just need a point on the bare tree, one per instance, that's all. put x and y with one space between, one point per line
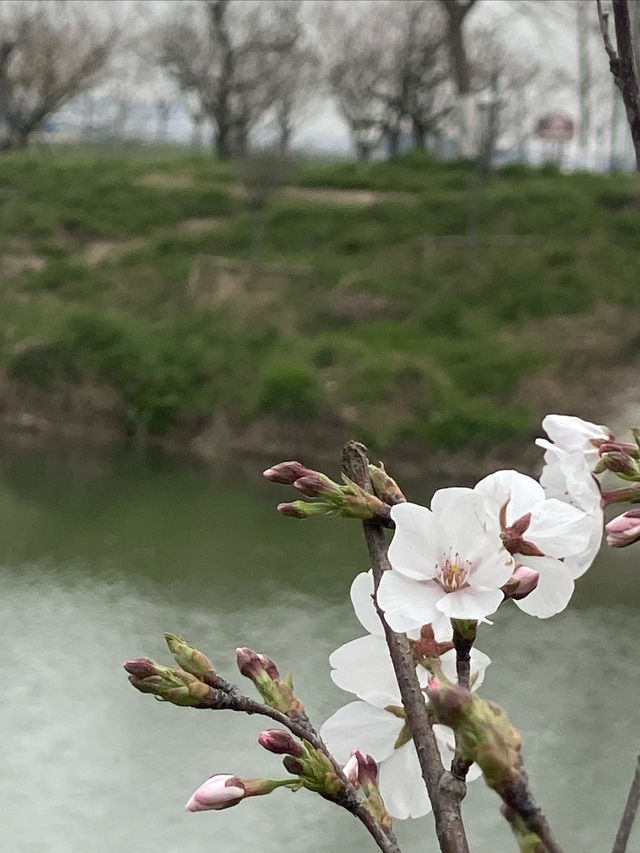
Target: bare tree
356 77
296 81
226 54
388 74
49 54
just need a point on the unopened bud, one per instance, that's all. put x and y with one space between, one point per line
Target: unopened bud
281 742
523 581
293 765
219 792
367 769
170 683
350 770
286 472
317 485
142 668
621 463
255 666
363 774
303 509
624 530
484 733
384 486
264 673
223 791
619 446
190 659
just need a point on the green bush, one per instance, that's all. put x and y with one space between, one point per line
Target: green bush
289 388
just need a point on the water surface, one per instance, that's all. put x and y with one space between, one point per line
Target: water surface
99 555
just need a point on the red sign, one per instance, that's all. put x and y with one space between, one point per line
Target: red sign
555 127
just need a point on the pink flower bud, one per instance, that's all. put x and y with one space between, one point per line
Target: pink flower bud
141 667
350 770
281 742
293 765
624 530
286 472
620 463
523 581
367 768
218 792
256 666
317 485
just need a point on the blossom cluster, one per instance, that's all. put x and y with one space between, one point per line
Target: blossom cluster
452 565
509 537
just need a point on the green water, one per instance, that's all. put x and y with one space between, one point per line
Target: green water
101 554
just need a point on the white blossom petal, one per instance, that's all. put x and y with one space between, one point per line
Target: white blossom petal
408 603
413 549
362 600
359 725
401 784
478 665
446 503
571 433
494 566
579 563
470 603
559 529
364 667
521 492
554 590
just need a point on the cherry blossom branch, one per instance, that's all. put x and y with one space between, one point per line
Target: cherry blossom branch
444 789
622 65
464 635
200 686
629 814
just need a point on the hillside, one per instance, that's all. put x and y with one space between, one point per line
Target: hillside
405 303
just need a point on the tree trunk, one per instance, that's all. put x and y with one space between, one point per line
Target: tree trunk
393 141
363 150
419 134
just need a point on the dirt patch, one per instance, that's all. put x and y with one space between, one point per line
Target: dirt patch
328 195
165 181
12 265
200 226
109 250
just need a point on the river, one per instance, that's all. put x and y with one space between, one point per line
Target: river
100 553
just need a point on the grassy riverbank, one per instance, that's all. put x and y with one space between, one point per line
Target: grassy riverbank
404 303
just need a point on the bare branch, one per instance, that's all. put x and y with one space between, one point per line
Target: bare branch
622 65
445 791
629 814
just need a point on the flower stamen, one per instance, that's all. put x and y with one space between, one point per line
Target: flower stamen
453 573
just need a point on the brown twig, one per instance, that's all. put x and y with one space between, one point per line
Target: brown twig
629 814
517 796
234 700
622 65
445 790
225 696
462 643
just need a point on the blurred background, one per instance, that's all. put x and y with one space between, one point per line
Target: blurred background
235 232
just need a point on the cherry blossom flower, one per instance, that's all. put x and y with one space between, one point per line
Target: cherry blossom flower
540 532
571 434
567 476
375 725
444 560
